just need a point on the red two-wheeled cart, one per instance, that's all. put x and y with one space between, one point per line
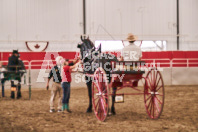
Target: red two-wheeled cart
124 75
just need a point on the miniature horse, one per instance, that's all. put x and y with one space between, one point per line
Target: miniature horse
90 58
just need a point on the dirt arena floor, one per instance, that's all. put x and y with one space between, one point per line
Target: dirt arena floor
180 113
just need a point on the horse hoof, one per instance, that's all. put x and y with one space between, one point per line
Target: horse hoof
89 111
113 111
18 97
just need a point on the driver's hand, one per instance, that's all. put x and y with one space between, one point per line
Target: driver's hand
47 87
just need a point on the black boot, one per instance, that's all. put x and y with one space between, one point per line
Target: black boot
3 94
12 95
12 92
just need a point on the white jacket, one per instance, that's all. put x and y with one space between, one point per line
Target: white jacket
131 52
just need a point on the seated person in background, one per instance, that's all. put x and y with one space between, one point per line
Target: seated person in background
131 52
13 63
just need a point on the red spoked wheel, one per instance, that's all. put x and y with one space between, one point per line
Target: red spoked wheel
100 94
154 94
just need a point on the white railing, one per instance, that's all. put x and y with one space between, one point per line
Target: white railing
24 61
171 63
166 61
155 61
43 65
187 63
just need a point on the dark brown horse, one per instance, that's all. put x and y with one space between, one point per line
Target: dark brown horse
92 57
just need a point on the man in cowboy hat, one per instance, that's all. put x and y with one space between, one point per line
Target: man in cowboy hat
131 52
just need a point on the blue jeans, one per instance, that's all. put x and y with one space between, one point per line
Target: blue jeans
66 92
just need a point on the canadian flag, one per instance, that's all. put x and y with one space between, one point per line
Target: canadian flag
37 46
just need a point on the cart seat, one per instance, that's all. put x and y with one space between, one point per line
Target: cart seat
132 63
127 67
128 72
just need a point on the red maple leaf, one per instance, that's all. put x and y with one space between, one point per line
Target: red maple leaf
37 46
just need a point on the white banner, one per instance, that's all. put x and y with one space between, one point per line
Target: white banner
37 46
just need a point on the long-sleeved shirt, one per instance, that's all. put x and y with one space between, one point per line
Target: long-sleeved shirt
13 61
131 52
55 73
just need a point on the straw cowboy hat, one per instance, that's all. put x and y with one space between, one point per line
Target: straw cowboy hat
131 37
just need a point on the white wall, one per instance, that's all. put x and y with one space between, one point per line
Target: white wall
61 22
47 20
188 24
148 19
142 17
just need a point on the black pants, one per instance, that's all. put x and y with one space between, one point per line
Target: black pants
66 92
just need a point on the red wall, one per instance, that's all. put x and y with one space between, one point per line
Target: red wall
70 55
146 55
37 55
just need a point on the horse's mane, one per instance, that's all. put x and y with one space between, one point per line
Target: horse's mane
89 43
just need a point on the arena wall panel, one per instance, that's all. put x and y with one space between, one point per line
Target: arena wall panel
23 20
166 74
185 76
